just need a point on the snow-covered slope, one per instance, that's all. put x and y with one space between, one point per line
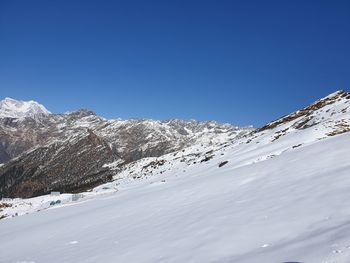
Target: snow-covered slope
278 194
10 108
291 208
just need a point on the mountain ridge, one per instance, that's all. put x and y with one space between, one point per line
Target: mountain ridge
28 144
27 141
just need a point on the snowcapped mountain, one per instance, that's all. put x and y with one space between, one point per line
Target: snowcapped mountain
67 152
317 122
10 108
274 194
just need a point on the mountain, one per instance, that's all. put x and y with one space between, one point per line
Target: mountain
321 120
274 194
47 153
10 108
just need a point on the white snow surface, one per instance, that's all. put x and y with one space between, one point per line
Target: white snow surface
11 108
282 196
291 207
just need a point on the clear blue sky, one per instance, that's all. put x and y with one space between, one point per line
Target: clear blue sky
243 62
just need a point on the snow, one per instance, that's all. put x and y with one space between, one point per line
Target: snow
289 208
282 196
11 108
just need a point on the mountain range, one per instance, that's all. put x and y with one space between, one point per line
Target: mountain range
71 152
44 152
176 191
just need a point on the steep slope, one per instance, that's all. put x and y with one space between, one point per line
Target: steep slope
276 195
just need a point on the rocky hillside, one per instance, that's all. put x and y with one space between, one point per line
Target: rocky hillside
42 152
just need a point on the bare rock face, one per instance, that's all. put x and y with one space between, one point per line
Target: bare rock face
68 152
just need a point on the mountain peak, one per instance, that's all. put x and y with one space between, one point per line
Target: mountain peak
11 108
80 113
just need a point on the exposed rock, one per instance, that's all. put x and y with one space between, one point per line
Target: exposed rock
222 163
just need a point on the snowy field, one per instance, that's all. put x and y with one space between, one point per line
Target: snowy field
272 203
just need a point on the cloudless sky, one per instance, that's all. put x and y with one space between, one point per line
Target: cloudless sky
243 62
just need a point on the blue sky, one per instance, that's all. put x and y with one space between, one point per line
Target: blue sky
243 62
